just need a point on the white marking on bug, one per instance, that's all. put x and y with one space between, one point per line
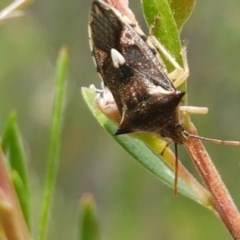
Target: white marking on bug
117 58
158 89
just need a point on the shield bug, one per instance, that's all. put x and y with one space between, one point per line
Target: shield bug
132 70
146 99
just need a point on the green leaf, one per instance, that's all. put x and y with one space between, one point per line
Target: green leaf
23 197
160 19
166 18
89 226
13 146
55 140
182 10
146 156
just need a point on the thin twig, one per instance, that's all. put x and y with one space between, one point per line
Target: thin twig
13 10
222 200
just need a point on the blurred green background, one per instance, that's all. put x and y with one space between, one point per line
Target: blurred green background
132 204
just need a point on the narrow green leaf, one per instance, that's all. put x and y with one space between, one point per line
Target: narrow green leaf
89 226
161 22
12 146
181 10
55 141
144 155
23 196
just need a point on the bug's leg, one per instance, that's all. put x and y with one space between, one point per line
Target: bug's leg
193 109
180 74
106 103
103 97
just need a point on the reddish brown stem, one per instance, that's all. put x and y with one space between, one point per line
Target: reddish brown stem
222 200
12 221
122 6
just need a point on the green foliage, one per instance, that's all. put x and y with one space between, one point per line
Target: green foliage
181 10
160 19
13 147
89 226
55 141
165 19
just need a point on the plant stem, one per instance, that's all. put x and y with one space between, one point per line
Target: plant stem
222 200
12 221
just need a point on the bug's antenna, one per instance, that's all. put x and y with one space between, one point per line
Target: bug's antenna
213 140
